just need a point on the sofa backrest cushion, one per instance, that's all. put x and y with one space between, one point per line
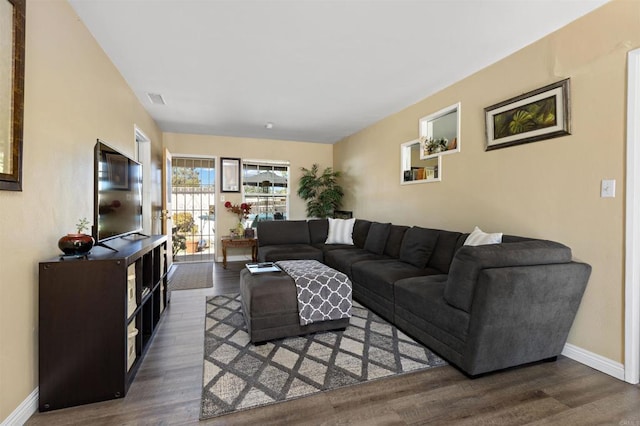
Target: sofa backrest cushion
448 243
377 237
394 241
470 260
360 231
283 232
318 230
417 246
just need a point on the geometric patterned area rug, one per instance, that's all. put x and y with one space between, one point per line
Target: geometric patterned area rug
239 375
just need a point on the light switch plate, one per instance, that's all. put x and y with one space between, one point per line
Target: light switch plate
608 188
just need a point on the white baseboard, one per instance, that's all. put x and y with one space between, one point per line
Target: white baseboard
25 410
594 361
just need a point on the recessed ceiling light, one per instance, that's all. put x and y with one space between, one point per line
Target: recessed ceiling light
156 98
269 125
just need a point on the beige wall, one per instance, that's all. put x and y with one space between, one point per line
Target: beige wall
299 154
548 189
73 95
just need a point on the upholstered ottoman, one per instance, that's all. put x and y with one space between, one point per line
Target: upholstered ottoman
270 307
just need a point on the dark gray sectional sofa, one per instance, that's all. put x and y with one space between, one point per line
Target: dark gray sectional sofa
483 308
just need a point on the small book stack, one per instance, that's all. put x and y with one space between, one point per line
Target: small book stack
260 268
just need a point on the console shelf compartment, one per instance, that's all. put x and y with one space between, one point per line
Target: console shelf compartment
88 320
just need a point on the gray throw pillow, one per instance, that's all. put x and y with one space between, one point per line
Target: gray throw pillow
377 237
417 246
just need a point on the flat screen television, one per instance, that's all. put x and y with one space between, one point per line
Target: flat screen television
117 194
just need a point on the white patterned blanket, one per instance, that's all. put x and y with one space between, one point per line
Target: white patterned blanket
324 294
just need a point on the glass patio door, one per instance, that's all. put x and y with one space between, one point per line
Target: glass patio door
193 201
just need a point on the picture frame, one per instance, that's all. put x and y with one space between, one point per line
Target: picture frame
534 116
229 174
117 172
12 52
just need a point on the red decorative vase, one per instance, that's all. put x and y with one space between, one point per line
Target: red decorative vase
75 244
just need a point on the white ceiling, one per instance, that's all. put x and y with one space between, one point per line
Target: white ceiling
319 70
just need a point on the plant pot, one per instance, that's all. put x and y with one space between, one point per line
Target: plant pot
75 244
192 247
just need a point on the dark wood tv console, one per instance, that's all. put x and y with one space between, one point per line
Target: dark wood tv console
98 314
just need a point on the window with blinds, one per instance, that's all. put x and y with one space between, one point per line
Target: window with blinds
266 187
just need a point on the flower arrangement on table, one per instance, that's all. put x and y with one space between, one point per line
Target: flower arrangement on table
240 210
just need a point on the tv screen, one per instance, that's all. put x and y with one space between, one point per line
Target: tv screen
118 194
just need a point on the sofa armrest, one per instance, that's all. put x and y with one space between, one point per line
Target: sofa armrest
522 314
469 261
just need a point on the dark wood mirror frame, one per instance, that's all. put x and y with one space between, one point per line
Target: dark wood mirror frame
11 176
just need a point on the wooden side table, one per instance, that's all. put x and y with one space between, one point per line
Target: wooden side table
239 243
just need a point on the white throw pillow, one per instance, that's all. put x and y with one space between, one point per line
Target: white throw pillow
479 238
340 231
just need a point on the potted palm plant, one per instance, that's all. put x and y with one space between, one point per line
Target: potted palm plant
321 191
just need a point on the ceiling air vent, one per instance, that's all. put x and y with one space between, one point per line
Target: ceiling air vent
156 98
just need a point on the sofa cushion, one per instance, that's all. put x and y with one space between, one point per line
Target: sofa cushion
343 259
379 276
328 247
423 298
394 241
377 237
283 232
479 238
417 246
274 253
318 230
469 261
340 231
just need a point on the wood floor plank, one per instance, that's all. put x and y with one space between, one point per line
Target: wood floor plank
168 387
621 408
584 390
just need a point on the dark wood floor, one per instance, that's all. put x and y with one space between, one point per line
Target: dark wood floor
167 389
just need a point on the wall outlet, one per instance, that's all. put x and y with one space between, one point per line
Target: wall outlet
608 188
